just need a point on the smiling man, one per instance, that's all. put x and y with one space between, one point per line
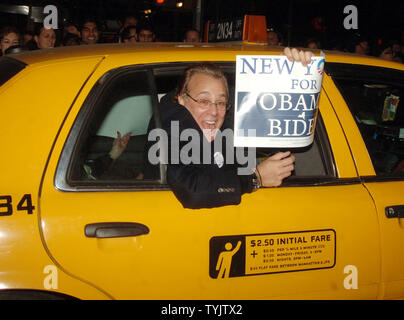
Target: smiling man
89 32
206 87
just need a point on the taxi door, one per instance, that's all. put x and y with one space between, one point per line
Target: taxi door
377 115
131 239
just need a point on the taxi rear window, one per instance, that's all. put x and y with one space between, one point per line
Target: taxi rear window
9 68
374 96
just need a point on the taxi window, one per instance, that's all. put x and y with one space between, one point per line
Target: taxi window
126 100
375 97
123 103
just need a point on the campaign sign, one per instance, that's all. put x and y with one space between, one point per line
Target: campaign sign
276 101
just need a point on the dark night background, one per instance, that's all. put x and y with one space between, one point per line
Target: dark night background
292 18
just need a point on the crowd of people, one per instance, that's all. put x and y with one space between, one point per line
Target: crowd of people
134 30
357 43
12 40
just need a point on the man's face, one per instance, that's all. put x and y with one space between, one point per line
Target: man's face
9 40
27 37
89 33
396 48
146 36
387 54
192 36
132 36
205 87
272 38
46 38
362 48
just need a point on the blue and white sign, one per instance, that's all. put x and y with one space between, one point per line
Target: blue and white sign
276 101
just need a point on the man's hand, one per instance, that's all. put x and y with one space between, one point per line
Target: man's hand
300 56
274 169
119 145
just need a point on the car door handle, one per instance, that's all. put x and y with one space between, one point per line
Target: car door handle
395 212
115 229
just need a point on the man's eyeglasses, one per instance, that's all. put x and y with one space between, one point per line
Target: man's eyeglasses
205 103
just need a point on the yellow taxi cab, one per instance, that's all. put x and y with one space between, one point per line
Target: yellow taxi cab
333 230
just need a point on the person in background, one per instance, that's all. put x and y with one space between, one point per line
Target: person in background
129 35
9 37
358 44
385 51
89 32
27 37
94 169
44 38
192 35
398 51
273 37
146 33
362 47
312 44
71 39
129 21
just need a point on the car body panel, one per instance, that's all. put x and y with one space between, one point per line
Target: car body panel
29 140
385 192
173 261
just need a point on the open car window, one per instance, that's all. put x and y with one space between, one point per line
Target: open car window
126 101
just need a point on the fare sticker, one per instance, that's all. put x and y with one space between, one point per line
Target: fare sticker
270 253
283 252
